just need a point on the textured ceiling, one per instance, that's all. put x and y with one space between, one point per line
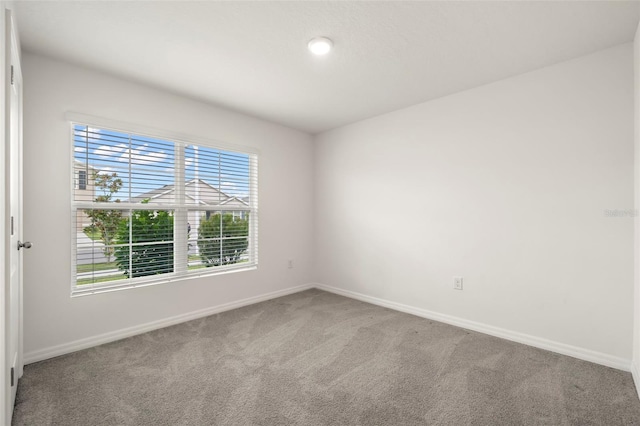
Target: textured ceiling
251 56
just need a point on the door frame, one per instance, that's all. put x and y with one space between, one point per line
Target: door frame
4 403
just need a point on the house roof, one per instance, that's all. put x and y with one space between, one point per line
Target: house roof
238 199
154 193
77 163
204 199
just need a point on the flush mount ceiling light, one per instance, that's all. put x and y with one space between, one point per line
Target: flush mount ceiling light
320 45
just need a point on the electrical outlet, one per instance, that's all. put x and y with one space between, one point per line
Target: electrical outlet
457 283
290 264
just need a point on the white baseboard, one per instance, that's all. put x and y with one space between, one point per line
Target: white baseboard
89 342
561 348
636 377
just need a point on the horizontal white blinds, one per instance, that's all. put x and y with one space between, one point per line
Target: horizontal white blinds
143 166
139 243
218 177
147 209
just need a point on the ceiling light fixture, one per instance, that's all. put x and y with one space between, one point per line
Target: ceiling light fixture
320 45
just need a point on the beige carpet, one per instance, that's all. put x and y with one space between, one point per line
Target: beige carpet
314 358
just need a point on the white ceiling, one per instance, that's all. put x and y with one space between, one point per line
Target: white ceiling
252 56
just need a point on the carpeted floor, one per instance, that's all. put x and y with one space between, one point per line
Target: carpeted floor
314 358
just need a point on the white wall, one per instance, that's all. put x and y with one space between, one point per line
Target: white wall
636 258
506 185
52 317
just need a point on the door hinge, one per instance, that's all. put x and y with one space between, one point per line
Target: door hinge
12 75
12 375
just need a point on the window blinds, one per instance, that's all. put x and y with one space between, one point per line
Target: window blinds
154 210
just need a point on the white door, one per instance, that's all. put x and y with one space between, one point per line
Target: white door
13 169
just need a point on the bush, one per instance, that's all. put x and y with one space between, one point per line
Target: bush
154 230
222 239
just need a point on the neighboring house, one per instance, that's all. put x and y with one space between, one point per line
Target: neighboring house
83 190
198 193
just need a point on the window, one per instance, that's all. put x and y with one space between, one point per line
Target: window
82 180
158 209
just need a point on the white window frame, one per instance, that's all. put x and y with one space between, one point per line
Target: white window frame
181 141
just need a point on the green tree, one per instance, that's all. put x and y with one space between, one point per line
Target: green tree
222 239
151 251
106 221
